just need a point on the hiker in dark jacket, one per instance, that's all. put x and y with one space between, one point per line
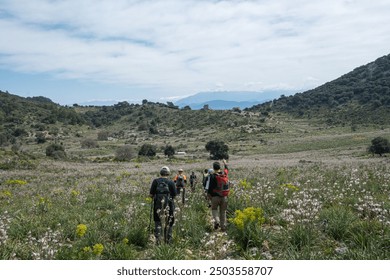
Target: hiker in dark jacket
218 197
163 192
193 181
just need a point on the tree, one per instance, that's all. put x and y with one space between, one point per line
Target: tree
218 149
379 145
169 151
147 150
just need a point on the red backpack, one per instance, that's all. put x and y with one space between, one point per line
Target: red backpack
222 188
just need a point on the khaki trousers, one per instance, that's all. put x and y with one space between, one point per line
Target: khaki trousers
218 210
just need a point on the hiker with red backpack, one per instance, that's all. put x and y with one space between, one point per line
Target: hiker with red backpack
217 188
163 192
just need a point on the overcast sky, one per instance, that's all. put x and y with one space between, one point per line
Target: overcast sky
79 50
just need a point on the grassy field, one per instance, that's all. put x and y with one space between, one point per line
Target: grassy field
303 193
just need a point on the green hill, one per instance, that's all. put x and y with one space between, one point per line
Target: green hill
21 116
361 96
358 99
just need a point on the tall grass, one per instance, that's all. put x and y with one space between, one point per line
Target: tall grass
309 210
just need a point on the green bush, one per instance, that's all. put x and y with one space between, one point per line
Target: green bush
125 153
379 145
89 144
147 150
56 151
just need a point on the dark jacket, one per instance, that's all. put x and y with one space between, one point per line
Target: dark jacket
171 185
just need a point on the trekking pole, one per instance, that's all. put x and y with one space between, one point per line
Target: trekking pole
183 197
150 215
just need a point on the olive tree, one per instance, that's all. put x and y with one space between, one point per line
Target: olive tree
218 149
379 145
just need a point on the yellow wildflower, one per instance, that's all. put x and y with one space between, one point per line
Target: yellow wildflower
5 194
81 230
87 249
248 215
148 199
74 193
15 182
125 241
98 249
125 174
245 184
290 187
44 203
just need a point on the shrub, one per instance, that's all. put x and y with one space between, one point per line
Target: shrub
379 145
153 130
89 144
40 138
3 139
56 151
125 153
148 150
103 135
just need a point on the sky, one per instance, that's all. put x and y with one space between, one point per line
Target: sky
77 51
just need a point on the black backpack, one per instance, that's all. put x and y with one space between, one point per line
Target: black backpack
180 182
162 187
162 194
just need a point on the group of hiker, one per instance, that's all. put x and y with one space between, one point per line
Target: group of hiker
164 192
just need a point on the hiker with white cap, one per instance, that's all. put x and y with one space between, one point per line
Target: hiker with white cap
163 192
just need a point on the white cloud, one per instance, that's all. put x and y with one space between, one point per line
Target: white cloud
184 46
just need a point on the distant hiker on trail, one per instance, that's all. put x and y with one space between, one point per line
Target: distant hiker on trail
163 192
193 181
180 182
217 187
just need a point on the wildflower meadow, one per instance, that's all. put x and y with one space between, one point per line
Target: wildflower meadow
278 210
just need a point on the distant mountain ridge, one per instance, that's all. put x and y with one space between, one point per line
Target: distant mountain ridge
224 104
225 100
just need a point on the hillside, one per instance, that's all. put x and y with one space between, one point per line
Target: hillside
360 96
24 119
359 99
19 110
21 117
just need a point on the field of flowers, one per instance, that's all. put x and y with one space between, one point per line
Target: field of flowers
292 209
